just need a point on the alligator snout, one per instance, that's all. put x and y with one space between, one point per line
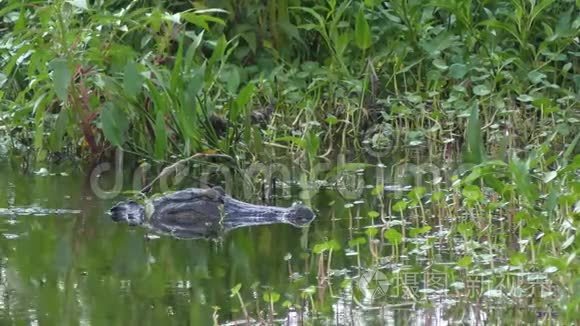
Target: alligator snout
299 215
129 212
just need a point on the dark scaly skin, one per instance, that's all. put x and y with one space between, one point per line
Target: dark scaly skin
193 213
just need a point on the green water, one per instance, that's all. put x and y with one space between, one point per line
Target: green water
64 262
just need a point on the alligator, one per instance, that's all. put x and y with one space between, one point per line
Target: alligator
204 213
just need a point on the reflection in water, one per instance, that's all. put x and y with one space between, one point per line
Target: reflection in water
63 261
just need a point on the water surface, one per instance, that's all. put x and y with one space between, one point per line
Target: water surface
63 261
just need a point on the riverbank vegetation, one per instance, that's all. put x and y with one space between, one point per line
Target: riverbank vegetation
494 84
176 79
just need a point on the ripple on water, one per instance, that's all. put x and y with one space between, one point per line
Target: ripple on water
35 211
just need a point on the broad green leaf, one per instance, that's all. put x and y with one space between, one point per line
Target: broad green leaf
320 248
465 261
132 79
371 232
517 259
417 193
535 76
472 192
481 90
271 296
457 70
362 31
521 176
474 151
418 231
393 236
400 206
439 43
114 124
245 95
373 214
357 242
61 77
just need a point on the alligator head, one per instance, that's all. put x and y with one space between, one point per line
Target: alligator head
129 212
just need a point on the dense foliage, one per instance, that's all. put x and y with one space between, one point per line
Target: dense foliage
171 78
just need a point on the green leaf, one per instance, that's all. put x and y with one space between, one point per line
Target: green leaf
160 136
517 259
535 76
521 177
418 231
393 236
132 79
400 206
333 245
362 31
61 77
465 261
457 70
271 296
481 90
371 232
245 95
218 51
417 193
320 248
236 289
114 124
357 242
474 151
473 193
439 43
373 214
